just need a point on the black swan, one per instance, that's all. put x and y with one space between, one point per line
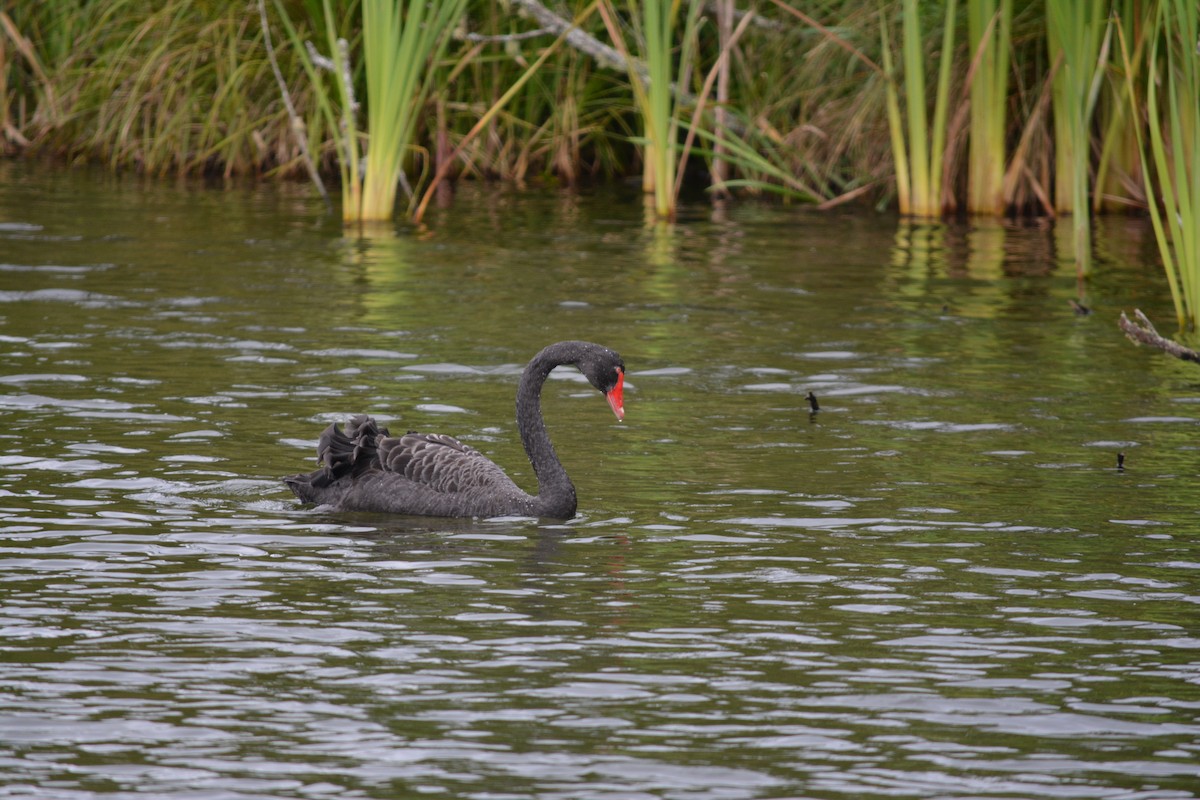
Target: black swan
431 474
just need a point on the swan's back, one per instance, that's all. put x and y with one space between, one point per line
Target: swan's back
367 469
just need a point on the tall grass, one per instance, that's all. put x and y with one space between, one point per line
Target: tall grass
40 86
1173 122
173 86
178 86
989 31
1119 182
165 88
402 41
656 93
1075 30
919 155
336 107
570 122
496 107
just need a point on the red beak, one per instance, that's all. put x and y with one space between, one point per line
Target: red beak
615 396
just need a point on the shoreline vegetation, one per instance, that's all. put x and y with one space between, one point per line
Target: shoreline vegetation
986 107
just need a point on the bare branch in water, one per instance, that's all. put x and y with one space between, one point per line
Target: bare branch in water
1143 332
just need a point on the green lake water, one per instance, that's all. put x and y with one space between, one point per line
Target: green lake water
938 586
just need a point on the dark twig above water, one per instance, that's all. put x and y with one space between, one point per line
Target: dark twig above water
1142 331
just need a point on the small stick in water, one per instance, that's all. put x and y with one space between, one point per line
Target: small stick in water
813 405
1141 331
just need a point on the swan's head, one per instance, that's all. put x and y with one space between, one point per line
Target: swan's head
606 371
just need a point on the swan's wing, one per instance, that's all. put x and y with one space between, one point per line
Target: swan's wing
441 463
351 453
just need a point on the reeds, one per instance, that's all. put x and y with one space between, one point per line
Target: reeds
820 103
1172 102
989 32
657 90
1075 29
164 88
919 155
1119 181
401 42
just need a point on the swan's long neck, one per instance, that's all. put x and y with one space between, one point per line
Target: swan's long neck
556 494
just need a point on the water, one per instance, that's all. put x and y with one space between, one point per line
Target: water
939 586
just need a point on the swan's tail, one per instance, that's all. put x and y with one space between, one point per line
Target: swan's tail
340 455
